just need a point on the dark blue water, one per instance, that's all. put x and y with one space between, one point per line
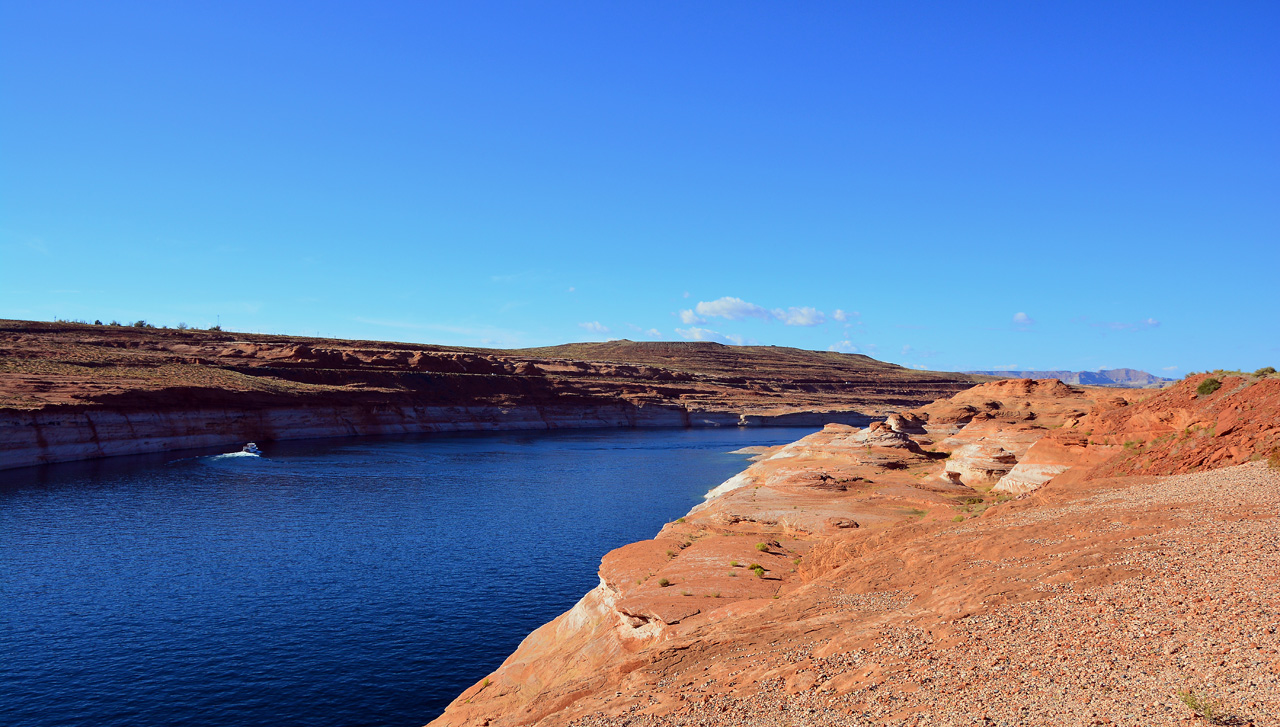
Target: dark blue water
333 582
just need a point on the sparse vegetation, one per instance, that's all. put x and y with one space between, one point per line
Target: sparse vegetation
733 564
762 547
759 570
1208 386
1265 371
958 519
715 594
1273 461
680 519
1202 704
663 582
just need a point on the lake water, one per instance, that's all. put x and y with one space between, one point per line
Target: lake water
331 582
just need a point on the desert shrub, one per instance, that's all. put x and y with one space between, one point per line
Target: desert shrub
664 582
1208 386
1265 371
679 519
182 326
97 322
215 328
759 570
763 548
1273 461
142 324
958 519
1202 704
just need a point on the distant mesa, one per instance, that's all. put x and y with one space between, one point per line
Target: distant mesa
1121 378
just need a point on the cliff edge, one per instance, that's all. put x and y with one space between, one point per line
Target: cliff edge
1026 552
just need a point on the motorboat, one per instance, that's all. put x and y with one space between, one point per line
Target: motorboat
251 448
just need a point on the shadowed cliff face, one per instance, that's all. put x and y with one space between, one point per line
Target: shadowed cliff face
72 391
889 573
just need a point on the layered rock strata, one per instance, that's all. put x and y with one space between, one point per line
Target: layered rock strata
75 391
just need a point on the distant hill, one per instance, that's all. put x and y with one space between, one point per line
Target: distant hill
1122 378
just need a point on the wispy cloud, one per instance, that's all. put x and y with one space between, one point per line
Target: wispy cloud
594 327
737 309
842 315
1141 325
803 316
706 334
1169 368
653 333
1005 367
734 309
843 347
1022 319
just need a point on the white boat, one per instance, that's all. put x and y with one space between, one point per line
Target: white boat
251 448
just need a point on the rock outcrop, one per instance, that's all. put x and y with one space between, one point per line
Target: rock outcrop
846 578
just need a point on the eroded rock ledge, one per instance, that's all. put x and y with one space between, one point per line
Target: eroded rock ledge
911 573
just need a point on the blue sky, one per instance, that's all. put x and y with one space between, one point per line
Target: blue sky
950 185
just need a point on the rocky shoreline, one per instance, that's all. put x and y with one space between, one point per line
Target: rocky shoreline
909 573
66 434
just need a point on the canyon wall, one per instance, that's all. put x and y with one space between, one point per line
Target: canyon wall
64 434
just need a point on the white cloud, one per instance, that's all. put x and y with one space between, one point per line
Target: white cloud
839 315
1170 368
706 334
689 318
594 327
734 309
686 294
1022 319
804 316
572 289
653 333
702 334
905 350
843 347
1006 367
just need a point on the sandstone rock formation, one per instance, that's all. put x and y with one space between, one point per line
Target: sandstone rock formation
72 391
844 579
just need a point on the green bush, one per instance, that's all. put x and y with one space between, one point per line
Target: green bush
1265 371
1202 704
664 582
1208 386
762 547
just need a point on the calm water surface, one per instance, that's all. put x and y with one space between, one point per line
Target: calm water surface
332 582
